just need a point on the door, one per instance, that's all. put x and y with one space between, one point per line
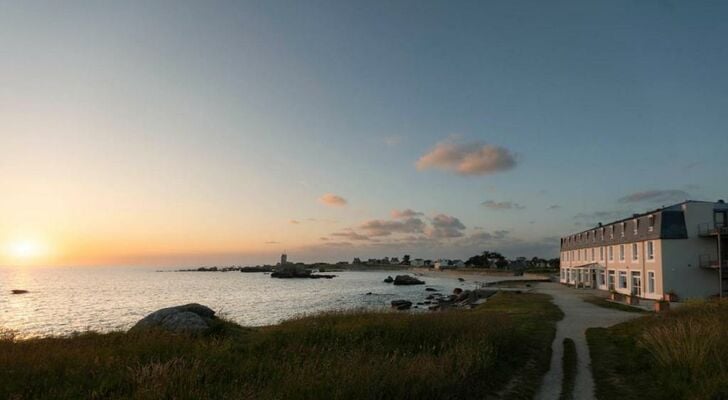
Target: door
636 284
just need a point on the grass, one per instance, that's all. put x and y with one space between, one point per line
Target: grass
501 347
681 354
602 302
568 362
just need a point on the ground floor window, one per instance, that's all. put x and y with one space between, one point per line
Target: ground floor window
601 278
611 280
650 282
562 275
622 280
636 283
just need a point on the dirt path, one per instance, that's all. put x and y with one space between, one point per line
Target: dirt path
578 316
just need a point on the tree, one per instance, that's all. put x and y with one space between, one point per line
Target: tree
406 259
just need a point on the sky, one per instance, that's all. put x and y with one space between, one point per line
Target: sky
216 133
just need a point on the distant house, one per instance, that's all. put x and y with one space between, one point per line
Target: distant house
394 260
457 263
417 262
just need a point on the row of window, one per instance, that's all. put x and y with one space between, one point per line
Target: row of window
592 235
587 254
574 275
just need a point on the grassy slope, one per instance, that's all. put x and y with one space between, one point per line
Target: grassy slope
602 302
459 354
682 354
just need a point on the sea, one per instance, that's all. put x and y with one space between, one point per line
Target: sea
64 301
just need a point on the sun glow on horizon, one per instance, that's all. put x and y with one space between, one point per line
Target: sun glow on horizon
26 250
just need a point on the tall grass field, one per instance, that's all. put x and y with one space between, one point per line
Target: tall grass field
502 347
682 354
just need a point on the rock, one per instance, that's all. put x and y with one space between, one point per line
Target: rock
369 293
388 279
401 304
461 279
187 319
407 280
18 291
457 291
429 289
430 297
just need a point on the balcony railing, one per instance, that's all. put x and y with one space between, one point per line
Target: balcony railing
710 229
710 261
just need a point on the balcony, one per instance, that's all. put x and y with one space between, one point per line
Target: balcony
710 261
708 229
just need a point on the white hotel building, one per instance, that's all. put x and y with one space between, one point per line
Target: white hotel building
677 249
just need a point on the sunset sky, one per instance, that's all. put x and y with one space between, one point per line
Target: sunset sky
209 133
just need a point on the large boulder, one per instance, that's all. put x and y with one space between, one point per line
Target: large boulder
407 280
187 319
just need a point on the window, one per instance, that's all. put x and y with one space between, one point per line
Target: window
601 278
624 228
611 253
636 226
611 232
611 280
572 255
650 223
578 255
601 254
622 280
594 236
634 251
602 234
650 250
592 251
719 219
650 282
621 252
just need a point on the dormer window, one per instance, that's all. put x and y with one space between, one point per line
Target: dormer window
624 228
636 226
650 223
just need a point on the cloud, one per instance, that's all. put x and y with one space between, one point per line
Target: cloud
445 226
294 222
554 207
272 242
656 196
487 236
350 235
392 141
379 227
503 205
397 214
467 159
334 200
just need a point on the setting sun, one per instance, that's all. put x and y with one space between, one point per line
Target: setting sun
25 249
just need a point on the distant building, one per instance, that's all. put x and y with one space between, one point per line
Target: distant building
417 262
284 259
676 250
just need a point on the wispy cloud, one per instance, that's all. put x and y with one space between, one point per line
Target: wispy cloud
294 222
393 141
378 227
408 213
445 226
467 159
272 242
334 200
350 235
656 196
502 205
554 207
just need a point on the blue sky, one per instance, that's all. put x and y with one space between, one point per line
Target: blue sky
228 120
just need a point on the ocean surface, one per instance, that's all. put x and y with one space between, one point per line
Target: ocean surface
66 300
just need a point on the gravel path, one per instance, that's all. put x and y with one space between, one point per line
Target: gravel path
578 316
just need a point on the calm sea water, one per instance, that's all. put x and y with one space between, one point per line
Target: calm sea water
65 300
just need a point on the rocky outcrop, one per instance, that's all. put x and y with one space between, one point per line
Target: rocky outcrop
18 291
388 279
401 304
407 280
429 289
187 319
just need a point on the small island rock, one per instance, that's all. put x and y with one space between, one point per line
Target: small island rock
407 280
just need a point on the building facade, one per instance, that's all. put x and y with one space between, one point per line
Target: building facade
680 250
